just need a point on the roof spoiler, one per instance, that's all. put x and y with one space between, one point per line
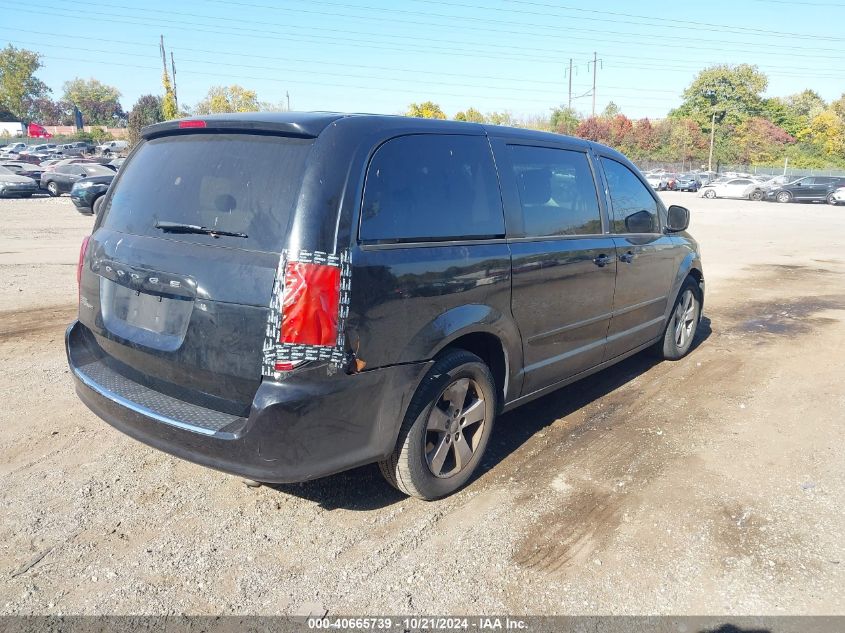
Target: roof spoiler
215 124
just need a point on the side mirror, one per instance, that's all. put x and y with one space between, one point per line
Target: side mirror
84 175
640 222
678 219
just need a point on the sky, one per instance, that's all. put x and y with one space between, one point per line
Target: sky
379 56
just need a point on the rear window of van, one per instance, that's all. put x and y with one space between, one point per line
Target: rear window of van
238 183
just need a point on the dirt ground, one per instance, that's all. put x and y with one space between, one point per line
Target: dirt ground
712 485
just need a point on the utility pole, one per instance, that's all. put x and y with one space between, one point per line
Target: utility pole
712 138
173 68
163 53
569 103
595 63
287 97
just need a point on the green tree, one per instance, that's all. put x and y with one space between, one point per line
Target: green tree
733 93
470 114
98 102
807 104
500 118
19 87
564 120
782 115
426 110
146 111
611 110
234 98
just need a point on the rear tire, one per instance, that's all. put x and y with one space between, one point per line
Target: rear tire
53 189
682 323
710 194
756 195
98 204
446 428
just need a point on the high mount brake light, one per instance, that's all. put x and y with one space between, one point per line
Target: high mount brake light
310 304
82 250
191 123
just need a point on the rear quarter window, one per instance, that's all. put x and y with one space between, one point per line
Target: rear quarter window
431 188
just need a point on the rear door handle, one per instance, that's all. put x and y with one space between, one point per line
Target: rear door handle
602 260
627 257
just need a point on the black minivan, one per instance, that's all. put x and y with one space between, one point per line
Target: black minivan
285 296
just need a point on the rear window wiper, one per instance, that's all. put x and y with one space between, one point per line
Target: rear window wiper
179 227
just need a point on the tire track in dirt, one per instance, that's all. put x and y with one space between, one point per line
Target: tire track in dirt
21 325
622 429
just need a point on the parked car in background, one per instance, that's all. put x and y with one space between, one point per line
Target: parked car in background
838 196
116 163
112 147
350 294
807 189
13 185
61 179
762 187
24 169
687 182
728 188
78 148
52 163
656 181
87 193
12 148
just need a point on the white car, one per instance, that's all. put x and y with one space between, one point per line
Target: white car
837 197
112 147
657 181
730 188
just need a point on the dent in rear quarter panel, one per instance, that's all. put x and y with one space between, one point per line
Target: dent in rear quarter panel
410 302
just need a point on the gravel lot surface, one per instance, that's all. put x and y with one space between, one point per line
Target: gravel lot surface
712 485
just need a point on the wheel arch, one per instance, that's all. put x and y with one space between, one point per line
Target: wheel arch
481 330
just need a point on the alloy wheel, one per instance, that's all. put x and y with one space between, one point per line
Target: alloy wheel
685 319
455 428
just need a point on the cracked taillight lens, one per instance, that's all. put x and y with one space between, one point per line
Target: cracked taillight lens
310 304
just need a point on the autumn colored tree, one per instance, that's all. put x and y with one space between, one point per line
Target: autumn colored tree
595 129
644 137
470 114
426 110
222 99
761 142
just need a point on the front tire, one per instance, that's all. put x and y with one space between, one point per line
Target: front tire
710 194
784 196
682 323
831 200
756 195
446 428
53 189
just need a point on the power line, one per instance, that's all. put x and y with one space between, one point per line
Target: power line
510 30
333 41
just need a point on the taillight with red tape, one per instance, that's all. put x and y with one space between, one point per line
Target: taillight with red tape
308 310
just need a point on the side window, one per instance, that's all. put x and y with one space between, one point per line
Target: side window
556 191
431 187
634 208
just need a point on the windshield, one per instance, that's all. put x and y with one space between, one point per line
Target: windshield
239 183
96 170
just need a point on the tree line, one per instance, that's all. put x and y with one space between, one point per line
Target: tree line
723 103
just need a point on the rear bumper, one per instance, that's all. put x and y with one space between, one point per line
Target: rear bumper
302 428
82 203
